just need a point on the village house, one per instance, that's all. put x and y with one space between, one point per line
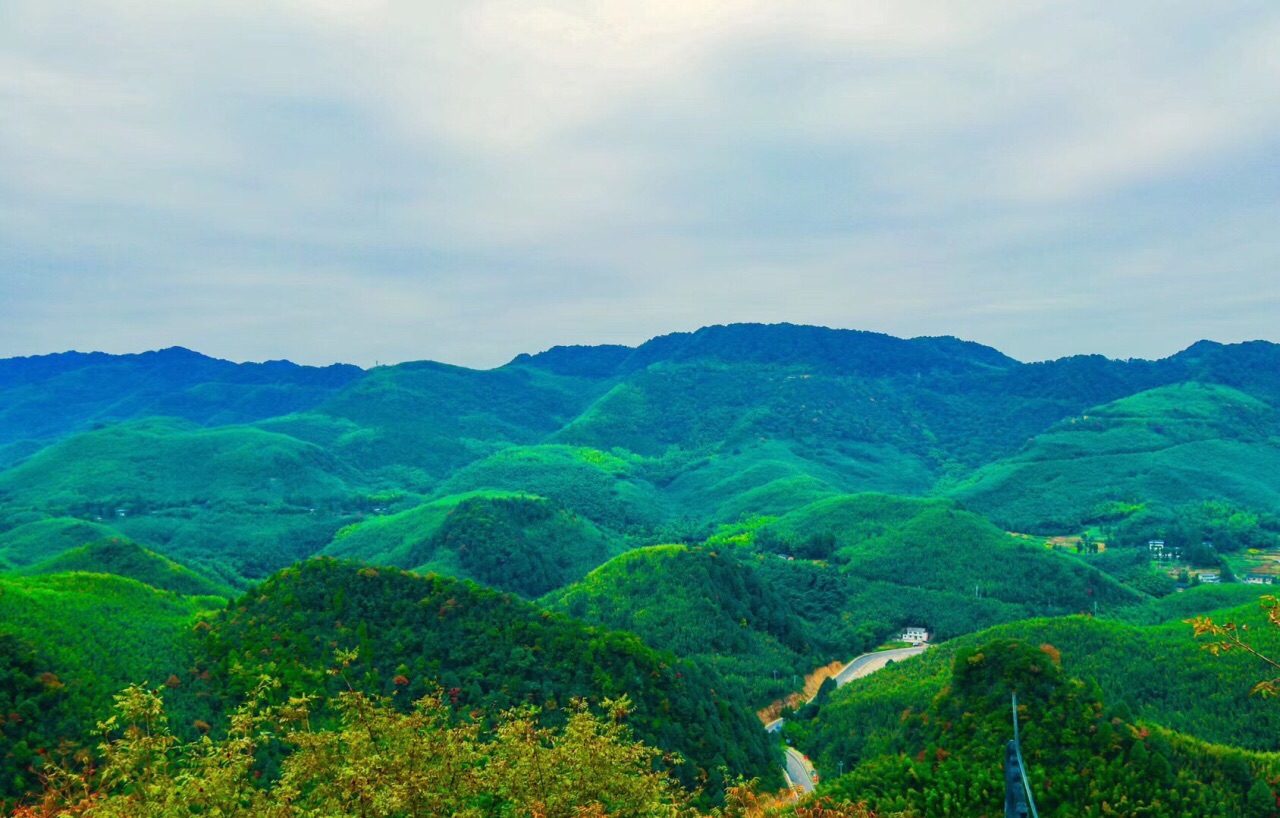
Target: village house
915 636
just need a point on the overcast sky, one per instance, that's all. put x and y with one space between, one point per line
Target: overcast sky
369 180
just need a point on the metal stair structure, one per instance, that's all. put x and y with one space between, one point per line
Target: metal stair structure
1018 801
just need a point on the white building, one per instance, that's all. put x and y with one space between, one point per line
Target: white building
915 635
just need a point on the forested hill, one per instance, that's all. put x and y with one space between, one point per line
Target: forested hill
486 649
838 352
48 396
696 522
240 469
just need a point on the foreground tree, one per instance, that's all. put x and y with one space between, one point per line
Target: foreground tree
377 762
1232 636
374 759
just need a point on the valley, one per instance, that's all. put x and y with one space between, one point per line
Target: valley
693 524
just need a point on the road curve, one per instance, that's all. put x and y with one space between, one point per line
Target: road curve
869 663
798 771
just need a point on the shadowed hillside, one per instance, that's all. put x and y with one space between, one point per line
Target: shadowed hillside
49 396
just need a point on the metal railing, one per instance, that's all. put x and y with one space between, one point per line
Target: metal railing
1018 801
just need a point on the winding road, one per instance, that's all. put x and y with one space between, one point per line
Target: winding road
797 769
869 663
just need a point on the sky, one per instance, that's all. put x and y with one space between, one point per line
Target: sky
379 181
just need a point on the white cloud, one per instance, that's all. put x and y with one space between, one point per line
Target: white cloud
519 173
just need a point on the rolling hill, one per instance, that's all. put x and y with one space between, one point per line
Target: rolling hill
513 542
1085 754
1172 446
486 649
130 560
46 397
1159 673
687 522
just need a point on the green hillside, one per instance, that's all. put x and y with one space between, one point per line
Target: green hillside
127 559
1085 755
774 477
848 520
1167 447
607 488
512 542
764 605
703 516
44 539
699 603
487 649
398 539
46 397
433 418
104 631
1158 672
658 442
929 544
168 462
235 501
70 642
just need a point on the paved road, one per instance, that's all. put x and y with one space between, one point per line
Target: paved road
869 663
798 771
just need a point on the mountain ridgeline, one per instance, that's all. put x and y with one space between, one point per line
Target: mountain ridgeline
695 523
182 452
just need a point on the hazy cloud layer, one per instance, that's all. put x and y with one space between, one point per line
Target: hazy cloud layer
366 180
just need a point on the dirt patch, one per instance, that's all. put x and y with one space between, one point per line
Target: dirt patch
812 682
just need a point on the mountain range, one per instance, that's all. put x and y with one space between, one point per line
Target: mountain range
696 522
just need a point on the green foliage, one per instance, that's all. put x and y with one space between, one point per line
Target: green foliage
127 559
35 715
166 463
438 418
101 631
399 539
82 637
767 615
1157 671
248 500
773 441
1082 760
1172 446
511 542
1234 637
607 489
698 603
379 761
50 396
523 544
976 574
945 549
1194 601
1229 528
852 519
43 539
488 650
